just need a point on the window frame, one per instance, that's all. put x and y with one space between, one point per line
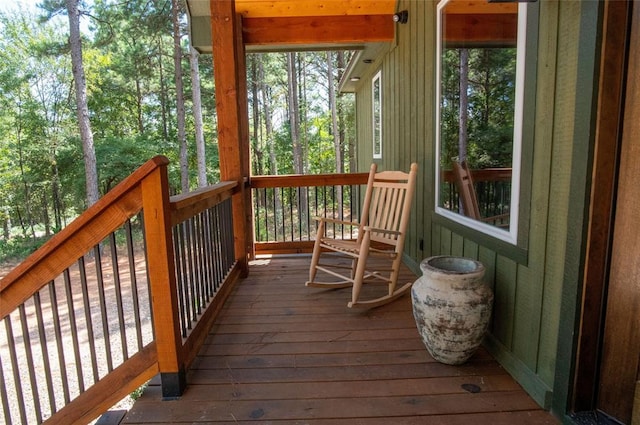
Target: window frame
516 235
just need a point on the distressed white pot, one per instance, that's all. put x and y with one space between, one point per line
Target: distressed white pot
452 307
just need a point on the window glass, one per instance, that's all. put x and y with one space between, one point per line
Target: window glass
376 90
480 91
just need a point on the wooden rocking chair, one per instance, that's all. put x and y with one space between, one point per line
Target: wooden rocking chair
381 232
469 199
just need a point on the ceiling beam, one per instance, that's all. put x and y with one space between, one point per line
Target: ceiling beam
318 29
290 8
498 30
482 7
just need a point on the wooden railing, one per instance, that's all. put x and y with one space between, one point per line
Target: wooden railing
493 190
284 208
80 327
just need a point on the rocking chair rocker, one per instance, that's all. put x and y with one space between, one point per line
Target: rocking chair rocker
381 233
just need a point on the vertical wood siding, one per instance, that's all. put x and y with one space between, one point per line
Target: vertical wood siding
527 308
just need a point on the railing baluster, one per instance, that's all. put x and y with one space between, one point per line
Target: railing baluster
210 251
206 254
229 232
35 396
45 353
275 216
216 252
3 396
17 381
290 215
195 257
118 295
59 342
88 318
74 327
284 214
195 295
200 260
134 283
103 307
257 215
183 310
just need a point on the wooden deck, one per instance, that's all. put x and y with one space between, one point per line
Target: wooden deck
281 353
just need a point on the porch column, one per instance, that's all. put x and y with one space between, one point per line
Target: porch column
229 68
162 280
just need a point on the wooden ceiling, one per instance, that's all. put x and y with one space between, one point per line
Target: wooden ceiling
478 22
270 25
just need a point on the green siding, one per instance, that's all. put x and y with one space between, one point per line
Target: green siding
528 286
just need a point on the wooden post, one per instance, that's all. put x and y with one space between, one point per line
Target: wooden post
231 97
162 280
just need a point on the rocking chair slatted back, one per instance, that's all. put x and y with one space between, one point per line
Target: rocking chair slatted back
464 181
389 208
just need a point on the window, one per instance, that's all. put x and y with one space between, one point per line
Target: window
376 92
480 98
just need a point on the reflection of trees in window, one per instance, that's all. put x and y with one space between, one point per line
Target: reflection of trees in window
490 106
377 117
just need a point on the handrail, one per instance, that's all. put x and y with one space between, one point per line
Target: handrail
492 187
195 211
285 207
48 276
185 206
482 175
307 180
57 254
55 258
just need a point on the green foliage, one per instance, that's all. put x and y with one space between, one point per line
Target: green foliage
132 102
491 97
14 249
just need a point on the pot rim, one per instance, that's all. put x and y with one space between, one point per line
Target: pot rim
468 266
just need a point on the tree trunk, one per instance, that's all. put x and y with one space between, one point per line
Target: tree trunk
294 121
464 105
6 227
163 92
86 135
197 117
45 214
58 210
294 111
268 128
26 187
341 116
463 115
139 106
334 132
334 115
177 62
258 168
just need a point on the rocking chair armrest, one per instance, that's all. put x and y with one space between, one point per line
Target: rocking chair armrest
378 230
336 221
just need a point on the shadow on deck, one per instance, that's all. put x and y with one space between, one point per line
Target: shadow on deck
282 353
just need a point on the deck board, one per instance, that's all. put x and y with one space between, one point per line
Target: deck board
281 353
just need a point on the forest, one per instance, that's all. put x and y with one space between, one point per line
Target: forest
145 93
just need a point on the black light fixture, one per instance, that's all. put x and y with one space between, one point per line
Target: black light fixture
401 17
